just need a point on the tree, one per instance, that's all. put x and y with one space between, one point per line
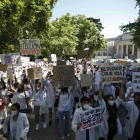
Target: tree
71 33
23 19
134 28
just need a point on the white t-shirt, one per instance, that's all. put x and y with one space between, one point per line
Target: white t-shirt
38 97
22 100
64 101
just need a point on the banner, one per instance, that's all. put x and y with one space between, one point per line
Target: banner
35 73
30 46
111 74
53 57
13 58
90 118
136 81
128 63
64 75
86 80
82 54
9 73
3 67
61 62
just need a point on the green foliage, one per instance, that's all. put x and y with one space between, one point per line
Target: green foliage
134 28
22 19
71 33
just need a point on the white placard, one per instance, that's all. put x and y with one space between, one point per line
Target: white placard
53 57
9 73
98 62
90 118
136 81
25 59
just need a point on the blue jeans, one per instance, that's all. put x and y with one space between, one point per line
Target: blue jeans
67 122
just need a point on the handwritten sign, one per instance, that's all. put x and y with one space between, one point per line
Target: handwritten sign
111 74
136 81
9 73
53 57
82 54
30 47
64 75
90 118
61 62
13 58
35 73
3 67
86 80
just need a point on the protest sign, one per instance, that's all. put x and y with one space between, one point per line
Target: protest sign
53 57
128 63
64 75
61 62
30 46
116 56
13 58
136 81
3 67
98 62
82 54
25 59
86 80
9 73
45 59
35 73
111 74
135 64
90 118
122 63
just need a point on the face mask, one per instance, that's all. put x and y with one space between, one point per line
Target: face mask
13 113
37 89
138 102
111 102
86 106
1 86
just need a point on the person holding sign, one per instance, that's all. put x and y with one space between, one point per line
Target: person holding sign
64 108
87 134
111 123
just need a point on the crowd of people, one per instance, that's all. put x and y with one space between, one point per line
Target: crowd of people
34 96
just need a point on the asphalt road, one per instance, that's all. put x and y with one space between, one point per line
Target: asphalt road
52 132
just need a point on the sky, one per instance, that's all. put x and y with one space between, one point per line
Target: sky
113 13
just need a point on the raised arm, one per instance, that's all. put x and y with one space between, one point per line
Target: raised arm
127 97
100 91
43 86
121 90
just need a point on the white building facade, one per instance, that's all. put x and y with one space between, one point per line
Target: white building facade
121 46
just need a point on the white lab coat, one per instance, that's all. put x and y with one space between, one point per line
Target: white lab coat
50 97
22 126
81 135
133 113
103 128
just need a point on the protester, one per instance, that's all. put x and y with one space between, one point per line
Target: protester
17 123
76 124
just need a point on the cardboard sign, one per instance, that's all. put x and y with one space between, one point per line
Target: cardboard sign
90 118
53 57
111 74
45 59
128 63
82 54
136 81
9 73
3 67
64 75
30 47
13 58
86 80
61 62
35 73
122 63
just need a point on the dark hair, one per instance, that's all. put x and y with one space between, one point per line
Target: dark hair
22 86
16 105
84 98
15 85
114 107
136 94
4 85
